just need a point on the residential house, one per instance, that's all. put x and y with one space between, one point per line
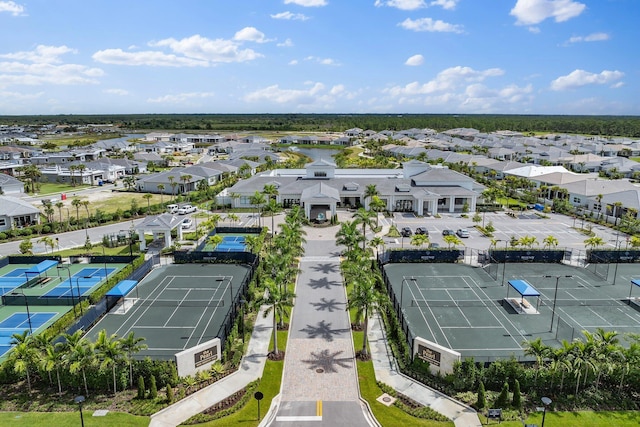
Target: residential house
16 213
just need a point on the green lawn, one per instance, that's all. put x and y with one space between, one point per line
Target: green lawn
70 419
580 419
388 416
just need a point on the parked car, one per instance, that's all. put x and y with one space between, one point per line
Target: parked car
463 232
422 230
448 232
186 209
172 209
406 232
187 223
434 245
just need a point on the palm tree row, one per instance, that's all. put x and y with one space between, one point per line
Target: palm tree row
599 361
363 281
35 355
280 268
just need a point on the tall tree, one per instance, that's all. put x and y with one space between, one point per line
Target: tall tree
364 218
23 355
109 353
365 299
132 345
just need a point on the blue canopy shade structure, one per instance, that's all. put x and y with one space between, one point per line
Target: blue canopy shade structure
524 288
122 288
633 282
42 267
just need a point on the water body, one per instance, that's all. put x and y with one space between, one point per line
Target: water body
319 153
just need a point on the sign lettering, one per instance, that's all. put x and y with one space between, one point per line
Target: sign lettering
205 356
428 355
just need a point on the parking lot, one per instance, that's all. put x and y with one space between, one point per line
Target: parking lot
526 224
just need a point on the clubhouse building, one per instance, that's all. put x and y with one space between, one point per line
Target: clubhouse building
321 188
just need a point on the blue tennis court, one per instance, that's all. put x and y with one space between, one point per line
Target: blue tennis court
233 239
18 272
94 272
77 286
9 284
17 323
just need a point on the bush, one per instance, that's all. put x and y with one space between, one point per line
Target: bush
503 398
153 389
517 398
141 387
482 398
169 393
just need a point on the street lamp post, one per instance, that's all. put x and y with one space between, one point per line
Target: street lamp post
555 297
546 402
504 268
26 304
59 266
80 400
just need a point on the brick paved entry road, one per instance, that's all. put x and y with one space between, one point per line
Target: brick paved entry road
320 381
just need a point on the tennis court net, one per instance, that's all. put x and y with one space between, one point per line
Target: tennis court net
456 303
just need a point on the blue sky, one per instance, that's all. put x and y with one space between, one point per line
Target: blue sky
319 56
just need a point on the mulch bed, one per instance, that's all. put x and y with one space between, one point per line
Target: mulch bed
273 356
226 403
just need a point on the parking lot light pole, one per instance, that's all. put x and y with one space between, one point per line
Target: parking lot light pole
555 297
80 400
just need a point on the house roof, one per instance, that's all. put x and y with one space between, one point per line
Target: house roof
12 206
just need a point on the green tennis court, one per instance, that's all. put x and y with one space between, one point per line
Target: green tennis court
463 308
178 306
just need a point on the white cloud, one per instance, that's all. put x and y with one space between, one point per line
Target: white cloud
286 43
180 98
120 92
19 96
617 85
42 54
445 4
428 24
417 4
284 96
250 34
307 3
531 12
415 60
447 80
293 62
593 37
194 51
211 50
148 58
290 16
402 4
579 78
322 61
12 8
44 65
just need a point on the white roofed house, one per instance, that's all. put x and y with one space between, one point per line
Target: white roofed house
73 174
10 185
321 188
16 213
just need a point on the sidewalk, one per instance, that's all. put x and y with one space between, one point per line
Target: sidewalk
387 372
251 369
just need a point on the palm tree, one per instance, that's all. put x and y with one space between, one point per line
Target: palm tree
528 241
48 242
131 345
257 200
79 355
72 169
365 299
60 205
550 241
370 191
186 179
349 235
594 242
52 358
377 205
270 190
233 218
23 355
215 240
272 207
376 242
365 218
539 350
161 188
599 200
419 240
173 184
280 302
85 203
109 353
452 241
148 197
76 203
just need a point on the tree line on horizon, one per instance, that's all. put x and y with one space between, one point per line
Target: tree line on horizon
605 126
